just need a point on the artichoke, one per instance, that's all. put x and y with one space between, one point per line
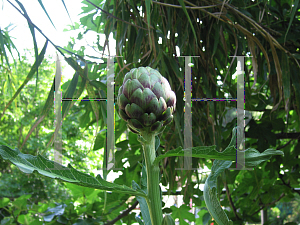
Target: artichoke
146 100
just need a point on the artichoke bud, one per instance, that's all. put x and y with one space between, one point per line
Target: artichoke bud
146 101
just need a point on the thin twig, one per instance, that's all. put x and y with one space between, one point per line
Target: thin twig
230 201
283 146
188 7
269 204
287 184
123 214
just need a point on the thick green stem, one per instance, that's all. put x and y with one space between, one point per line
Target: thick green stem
153 201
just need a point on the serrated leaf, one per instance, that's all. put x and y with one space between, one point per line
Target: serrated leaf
29 164
143 204
252 156
182 213
210 194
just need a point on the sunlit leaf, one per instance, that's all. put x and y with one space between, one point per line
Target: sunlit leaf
29 164
32 71
252 156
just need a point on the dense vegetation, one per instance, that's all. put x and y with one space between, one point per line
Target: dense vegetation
152 33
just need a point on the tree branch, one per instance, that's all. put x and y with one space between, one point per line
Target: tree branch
123 214
188 7
283 146
280 136
269 204
230 201
288 184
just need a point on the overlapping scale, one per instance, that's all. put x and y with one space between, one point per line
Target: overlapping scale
122 101
130 86
148 119
134 111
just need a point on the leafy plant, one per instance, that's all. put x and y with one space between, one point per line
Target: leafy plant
155 33
149 193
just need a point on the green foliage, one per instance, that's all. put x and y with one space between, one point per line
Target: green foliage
182 213
168 220
148 35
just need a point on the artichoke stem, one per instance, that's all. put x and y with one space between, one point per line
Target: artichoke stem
153 200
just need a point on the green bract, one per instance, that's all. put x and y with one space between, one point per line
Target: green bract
168 220
146 100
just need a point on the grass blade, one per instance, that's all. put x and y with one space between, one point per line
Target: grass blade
292 17
42 5
29 76
3 47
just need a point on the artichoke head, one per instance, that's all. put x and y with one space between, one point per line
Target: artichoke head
146 101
